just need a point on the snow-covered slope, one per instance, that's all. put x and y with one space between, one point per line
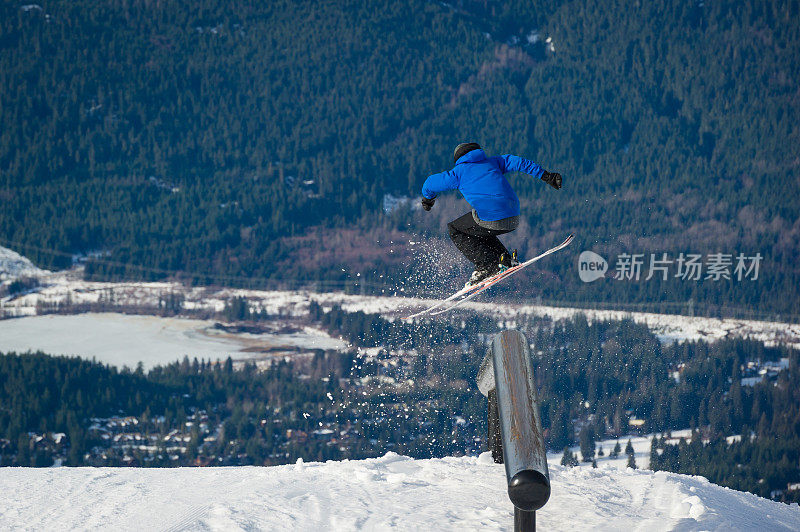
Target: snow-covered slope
13 266
389 492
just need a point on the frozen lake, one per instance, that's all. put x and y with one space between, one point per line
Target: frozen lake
121 339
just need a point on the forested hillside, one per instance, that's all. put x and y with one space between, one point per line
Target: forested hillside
226 142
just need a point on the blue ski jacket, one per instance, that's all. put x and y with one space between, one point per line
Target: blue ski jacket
482 182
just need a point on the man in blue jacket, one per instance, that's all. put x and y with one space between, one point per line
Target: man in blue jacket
495 206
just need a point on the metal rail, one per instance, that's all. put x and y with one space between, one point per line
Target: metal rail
515 430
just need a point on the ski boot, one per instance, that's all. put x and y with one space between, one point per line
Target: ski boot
508 261
479 275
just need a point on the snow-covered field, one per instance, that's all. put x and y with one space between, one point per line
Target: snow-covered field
120 339
641 451
392 492
65 286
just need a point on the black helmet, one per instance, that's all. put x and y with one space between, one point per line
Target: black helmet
464 148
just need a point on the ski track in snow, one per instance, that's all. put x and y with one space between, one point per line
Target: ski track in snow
394 492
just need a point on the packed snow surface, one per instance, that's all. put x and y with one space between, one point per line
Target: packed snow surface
392 492
120 339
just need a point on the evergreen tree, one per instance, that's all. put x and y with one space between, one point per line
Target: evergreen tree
629 448
587 444
568 458
616 450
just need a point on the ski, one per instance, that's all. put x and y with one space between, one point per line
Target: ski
491 281
464 291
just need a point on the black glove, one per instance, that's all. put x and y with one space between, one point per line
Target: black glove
427 203
552 179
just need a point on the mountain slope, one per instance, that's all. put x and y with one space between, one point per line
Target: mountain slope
212 141
388 492
14 266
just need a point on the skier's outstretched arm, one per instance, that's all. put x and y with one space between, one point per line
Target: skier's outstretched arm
515 163
435 185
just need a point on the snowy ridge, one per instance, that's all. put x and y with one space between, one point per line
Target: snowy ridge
394 492
13 266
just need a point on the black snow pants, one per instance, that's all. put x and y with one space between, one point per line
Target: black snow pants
480 243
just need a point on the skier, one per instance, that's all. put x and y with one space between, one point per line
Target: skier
495 206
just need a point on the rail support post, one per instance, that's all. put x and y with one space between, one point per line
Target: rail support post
506 378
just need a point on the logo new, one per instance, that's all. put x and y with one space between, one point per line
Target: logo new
591 266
